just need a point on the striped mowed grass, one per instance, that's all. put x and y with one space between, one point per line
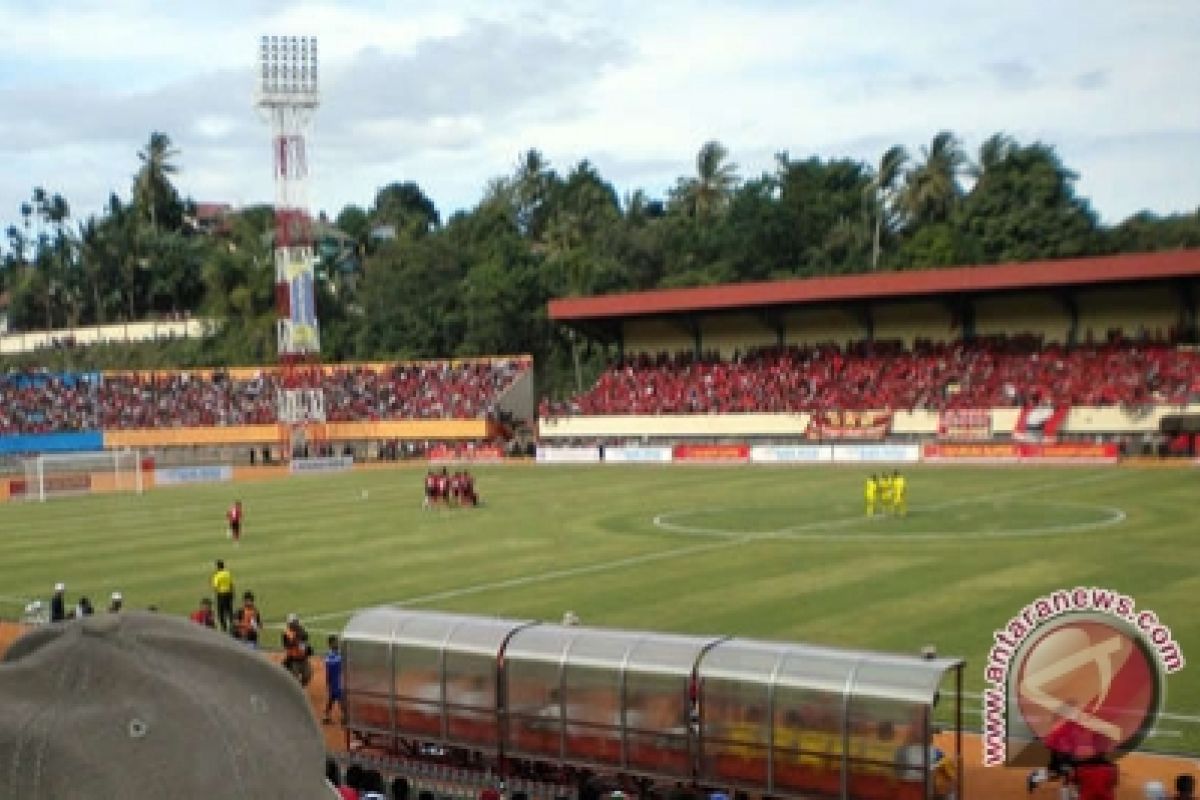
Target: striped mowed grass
767 552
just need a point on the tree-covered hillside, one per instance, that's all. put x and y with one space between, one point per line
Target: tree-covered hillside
478 282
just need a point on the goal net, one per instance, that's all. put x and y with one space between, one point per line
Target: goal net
62 474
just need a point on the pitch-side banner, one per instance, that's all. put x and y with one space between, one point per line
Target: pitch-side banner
887 453
550 454
175 476
862 425
637 455
483 452
307 466
711 453
791 454
1013 452
965 424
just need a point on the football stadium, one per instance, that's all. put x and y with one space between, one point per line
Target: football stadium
911 530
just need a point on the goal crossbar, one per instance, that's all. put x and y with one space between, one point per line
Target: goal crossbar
52 475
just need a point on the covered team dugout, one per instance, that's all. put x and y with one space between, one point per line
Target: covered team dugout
767 717
422 675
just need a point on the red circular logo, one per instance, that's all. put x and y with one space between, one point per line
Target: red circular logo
1087 684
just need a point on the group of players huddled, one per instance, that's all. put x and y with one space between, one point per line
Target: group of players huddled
457 489
886 494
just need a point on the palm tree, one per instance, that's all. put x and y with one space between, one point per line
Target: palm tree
931 188
995 150
883 192
710 190
152 187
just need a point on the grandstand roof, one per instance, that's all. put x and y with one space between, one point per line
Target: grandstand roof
874 286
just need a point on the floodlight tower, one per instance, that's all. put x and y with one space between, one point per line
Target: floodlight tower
287 97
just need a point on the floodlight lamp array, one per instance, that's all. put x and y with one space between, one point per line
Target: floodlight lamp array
288 66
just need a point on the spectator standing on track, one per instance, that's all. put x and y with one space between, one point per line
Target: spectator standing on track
1185 787
296 650
84 607
222 585
333 681
58 603
1096 778
115 603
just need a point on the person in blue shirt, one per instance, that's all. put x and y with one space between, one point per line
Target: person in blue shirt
333 681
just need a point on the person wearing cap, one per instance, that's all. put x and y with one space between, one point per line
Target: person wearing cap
58 603
296 650
222 586
179 713
115 601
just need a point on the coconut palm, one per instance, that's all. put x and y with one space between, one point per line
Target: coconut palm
152 189
995 150
883 192
710 190
931 188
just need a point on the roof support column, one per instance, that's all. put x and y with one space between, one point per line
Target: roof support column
1186 290
962 315
1067 300
774 322
862 313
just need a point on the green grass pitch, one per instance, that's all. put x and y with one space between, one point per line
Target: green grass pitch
781 553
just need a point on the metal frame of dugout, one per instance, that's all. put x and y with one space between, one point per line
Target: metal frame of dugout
765 717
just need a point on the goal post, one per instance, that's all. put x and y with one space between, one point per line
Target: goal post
51 475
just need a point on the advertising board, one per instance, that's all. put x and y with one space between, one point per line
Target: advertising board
791 454
711 453
308 466
551 454
175 476
875 453
637 455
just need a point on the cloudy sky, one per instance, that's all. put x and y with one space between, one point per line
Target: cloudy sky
449 94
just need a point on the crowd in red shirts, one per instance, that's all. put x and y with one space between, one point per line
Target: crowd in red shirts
41 402
986 372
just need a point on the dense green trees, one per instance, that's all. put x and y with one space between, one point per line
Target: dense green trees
417 285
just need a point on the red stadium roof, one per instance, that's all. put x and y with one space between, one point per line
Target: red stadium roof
958 280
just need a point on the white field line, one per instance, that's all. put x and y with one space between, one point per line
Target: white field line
1191 719
732 540
821 528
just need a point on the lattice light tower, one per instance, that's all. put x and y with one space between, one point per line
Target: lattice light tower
287 96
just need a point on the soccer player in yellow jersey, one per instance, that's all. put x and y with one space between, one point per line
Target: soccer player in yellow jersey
885 492
899 498
871 493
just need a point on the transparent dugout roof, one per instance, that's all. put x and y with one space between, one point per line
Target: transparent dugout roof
402 627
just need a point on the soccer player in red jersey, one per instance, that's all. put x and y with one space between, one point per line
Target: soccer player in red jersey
430 488
234 516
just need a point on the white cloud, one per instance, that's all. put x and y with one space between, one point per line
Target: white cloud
451 94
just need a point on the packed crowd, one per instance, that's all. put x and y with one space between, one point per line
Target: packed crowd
41 402
987 372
